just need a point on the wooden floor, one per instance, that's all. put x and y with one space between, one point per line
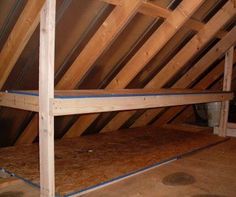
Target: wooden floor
91 160
207 173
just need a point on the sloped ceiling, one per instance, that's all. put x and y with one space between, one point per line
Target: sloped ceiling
77 22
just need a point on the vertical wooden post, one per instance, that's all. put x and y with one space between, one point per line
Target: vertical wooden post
46 93
229 55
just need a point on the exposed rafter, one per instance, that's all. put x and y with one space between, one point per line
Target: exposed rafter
18 38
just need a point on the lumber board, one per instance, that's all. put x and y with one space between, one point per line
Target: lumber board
229 63
121 102
46 93
92 101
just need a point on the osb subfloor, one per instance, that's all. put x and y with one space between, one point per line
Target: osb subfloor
90 160
207 173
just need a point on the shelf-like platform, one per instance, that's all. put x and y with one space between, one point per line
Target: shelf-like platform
92 101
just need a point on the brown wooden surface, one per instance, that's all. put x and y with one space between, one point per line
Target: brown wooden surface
89 160
212 170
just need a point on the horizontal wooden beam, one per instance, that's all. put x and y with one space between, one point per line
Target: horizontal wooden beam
19 101
81 102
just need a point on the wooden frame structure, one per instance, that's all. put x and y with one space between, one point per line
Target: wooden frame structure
49 103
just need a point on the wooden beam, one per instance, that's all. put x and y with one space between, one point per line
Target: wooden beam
101 40
179 61
46 93
117 102
18 38
192 74
17 101
161 36
229 56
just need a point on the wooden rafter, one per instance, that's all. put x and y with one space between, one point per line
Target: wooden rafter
18 38
179 61
161 36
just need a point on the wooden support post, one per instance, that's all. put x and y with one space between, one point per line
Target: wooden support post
46 93
226 87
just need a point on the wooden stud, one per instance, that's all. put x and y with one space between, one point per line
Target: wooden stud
161 36
226 86
46 93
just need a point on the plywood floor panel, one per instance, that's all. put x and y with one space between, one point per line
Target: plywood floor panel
89 160
210 178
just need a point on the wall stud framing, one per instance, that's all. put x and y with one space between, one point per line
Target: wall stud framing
46 93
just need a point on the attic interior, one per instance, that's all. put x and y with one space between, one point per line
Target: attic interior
117 98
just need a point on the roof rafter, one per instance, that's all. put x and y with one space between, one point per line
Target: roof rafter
221 18
18 38
161 36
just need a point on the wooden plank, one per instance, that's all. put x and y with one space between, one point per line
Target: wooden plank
18 101
161 36
179 61
46 92
18 38
71 106
229 58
